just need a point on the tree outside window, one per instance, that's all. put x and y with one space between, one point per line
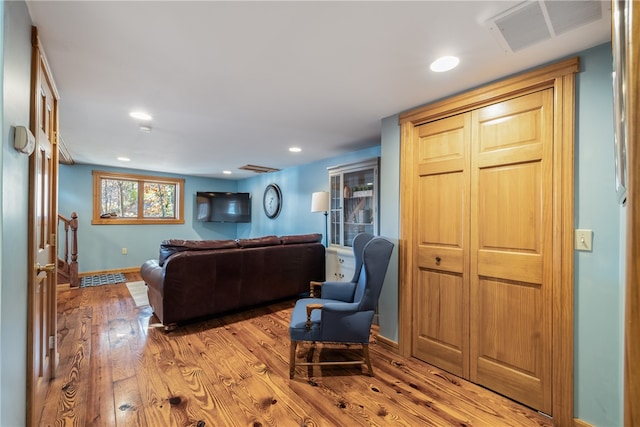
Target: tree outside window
159 200
136 199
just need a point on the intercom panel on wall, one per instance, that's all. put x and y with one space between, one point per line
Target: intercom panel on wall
23 140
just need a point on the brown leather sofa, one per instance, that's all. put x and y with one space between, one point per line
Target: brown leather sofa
197 279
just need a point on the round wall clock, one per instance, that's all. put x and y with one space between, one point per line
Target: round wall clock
272 201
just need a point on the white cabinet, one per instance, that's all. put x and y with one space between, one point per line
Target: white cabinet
354 201
340 264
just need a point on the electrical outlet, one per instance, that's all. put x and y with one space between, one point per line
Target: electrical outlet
124 251
584 240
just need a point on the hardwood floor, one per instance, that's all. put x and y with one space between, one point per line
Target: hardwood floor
118 367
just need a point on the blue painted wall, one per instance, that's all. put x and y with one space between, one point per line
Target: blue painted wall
297 185
390 223
599 281
14 168
100 246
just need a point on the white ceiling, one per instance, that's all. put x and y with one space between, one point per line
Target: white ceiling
235 83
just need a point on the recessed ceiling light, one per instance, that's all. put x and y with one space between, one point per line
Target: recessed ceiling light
140 115
124 159
226 172
295 149
145 128
444 63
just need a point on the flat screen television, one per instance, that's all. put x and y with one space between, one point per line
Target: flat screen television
213 206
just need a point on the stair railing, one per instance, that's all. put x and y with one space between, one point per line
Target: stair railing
69 267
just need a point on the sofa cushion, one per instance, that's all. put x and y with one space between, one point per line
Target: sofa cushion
170 247
259 241
301 238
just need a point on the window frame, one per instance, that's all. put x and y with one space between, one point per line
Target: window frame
98 176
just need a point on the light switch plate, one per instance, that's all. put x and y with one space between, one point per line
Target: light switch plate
584 240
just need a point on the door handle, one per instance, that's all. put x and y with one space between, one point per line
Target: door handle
46 267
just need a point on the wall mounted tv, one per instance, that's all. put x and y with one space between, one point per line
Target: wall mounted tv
223 207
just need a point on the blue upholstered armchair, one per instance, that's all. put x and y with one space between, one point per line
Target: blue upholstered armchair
344 312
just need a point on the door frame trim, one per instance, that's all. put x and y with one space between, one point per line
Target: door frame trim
632 272
561 77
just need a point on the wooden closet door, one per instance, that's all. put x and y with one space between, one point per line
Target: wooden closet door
511 248
441 291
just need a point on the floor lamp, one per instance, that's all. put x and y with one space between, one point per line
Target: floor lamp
320 203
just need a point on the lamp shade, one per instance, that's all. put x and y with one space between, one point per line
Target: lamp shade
320 201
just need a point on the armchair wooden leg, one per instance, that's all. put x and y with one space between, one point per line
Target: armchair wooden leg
292 358
365 350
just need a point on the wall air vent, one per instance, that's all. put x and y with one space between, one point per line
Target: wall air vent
535 21
258 169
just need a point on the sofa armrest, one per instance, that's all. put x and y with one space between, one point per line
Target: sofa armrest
152 274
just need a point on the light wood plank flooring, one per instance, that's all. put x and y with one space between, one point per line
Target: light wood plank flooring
119 368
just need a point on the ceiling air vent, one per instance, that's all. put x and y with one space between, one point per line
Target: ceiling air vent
567 15
535 21
258 169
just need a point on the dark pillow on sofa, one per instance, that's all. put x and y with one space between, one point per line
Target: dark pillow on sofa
170 247
301 238
259 241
